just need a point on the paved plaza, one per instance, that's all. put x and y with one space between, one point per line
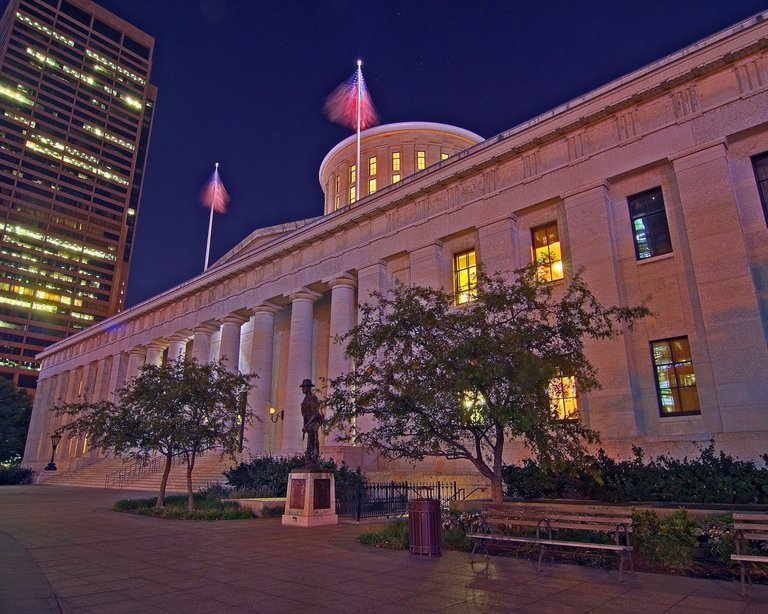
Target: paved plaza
63 550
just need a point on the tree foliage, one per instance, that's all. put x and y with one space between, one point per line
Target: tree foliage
181 408
459 382
15 413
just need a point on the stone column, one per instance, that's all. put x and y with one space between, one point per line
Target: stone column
427 268
343 316
155 351
116 378
201 341
40 425
177 345
229 348
72 393
371 278
136 358
498 246
299 366
260 396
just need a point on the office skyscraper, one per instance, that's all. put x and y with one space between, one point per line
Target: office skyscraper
76 111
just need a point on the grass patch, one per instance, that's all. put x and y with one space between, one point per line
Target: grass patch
393 535
176 507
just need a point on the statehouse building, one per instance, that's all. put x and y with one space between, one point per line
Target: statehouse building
655 185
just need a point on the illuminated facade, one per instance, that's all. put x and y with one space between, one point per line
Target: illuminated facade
76 110
655 185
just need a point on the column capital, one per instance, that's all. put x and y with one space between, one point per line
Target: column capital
179 337
209 327
235 318
157 344
138 350
344 281
267 308
304 294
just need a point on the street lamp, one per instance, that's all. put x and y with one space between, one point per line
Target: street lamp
275 415
55 439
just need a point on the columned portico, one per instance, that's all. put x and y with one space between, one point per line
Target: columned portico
201 341
136 357
155 352
229 348
342 320
299 365
260 396
177 345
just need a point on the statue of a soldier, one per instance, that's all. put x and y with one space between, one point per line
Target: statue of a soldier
313 419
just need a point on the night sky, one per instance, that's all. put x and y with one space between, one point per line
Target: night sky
242 83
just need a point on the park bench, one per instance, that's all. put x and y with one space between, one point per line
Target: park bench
506 523
749 528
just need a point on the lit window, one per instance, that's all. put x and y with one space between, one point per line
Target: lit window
421 160
443 155
395 160
760 164
562 397
353 174
337 192
352 194
649 224
371 185
352 183
675 379
464 277
395 177
546 251
372 166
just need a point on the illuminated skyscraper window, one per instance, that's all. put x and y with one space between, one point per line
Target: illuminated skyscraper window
73 185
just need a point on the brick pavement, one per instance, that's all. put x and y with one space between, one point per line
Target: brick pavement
63 550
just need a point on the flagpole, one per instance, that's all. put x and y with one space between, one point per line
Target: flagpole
359 173
210 221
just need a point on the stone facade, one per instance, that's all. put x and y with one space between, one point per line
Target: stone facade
689 125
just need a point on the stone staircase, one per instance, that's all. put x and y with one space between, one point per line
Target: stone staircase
208 469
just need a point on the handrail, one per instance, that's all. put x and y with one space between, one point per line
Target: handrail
135 470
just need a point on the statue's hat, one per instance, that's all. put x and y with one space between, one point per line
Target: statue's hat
307 382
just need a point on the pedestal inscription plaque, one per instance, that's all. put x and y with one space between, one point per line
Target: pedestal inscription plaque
322 494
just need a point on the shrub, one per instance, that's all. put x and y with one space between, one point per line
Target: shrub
710 478
670 542
15 475
393 536
271 511
268 475
718 535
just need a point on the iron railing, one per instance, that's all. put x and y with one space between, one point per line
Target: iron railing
387 499
134 471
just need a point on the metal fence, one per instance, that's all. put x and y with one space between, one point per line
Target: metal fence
387 499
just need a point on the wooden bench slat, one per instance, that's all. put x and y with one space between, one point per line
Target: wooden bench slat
760 537
750 516
548 542
750 558
750 527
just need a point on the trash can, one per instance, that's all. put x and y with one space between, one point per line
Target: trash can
425 527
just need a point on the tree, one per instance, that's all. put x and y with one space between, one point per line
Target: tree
15 413
441 380
180 408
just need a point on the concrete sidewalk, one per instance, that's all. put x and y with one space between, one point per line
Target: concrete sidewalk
63 550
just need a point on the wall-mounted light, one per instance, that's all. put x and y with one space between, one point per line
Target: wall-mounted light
275 415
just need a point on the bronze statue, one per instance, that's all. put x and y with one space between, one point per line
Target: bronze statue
313 419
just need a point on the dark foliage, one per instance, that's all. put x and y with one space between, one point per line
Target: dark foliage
15 412
15 475
712 477
268 475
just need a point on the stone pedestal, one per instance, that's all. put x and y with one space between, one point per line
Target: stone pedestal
311 499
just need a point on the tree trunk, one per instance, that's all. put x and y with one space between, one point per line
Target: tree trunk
497 489
160 504
190 496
